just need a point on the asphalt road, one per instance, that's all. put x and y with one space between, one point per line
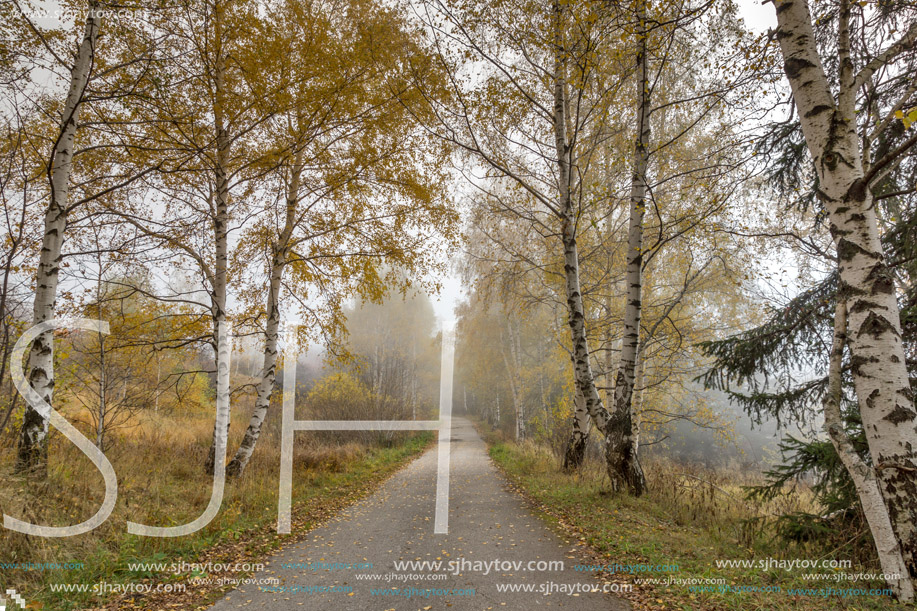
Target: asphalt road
487 524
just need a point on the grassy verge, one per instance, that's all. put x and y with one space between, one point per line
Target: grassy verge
161 482
666 528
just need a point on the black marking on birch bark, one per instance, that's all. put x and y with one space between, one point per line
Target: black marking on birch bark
881 280
847 250
794 66
863 305
900 414
824 197
858 361
817 110
846 290
876 326
871 399
857 191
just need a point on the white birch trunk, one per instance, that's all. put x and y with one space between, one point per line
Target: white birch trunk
582 367
576 447
100 428
272 328
268 374
32 453
621 440
866 283
511 362
864 479
639 394
517 358
221 208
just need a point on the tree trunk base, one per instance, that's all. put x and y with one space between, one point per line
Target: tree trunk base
624 469
235 468
32 453
575 453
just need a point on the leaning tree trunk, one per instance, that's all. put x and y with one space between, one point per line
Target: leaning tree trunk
575 451
621 438
32 453
866 283
864 479
269 368
268 373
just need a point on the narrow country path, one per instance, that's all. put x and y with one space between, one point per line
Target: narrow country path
487 523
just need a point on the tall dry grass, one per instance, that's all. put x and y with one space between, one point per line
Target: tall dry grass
161 481
711 500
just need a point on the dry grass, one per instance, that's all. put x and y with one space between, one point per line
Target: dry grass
690 517
159 463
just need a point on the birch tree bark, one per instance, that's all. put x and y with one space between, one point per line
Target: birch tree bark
221 204
280 250
513 369
621 440
32 453
866 284
620 455
576 447
103 395
582 367
864 478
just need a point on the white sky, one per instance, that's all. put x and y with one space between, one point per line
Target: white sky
444 303
758 17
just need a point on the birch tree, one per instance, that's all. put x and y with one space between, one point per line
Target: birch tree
539 144
88 158
532 123
32 453
622 443
202 109
864 478
359 196
841 140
